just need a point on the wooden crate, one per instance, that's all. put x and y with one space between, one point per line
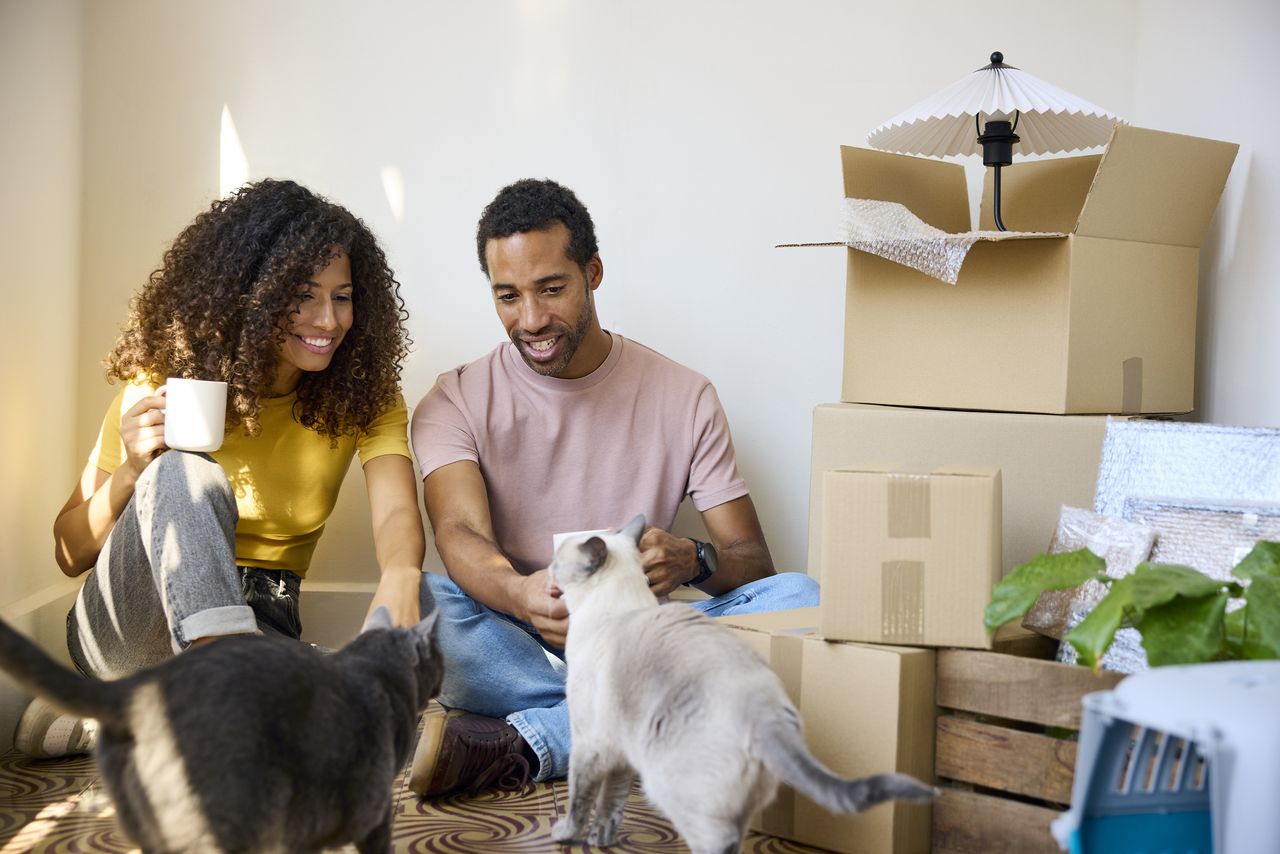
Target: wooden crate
1003 777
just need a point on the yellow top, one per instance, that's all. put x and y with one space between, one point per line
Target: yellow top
285 479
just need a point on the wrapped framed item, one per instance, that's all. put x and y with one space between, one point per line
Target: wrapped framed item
1123 544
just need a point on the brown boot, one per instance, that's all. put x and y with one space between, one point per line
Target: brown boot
466 751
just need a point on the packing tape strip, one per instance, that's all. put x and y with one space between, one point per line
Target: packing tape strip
909 506
902 601
1131 396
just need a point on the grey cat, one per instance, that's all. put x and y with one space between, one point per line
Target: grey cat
253 743
666 693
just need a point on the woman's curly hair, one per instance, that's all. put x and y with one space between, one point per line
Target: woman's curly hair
214 309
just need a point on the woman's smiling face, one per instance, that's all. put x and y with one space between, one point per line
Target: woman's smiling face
314 328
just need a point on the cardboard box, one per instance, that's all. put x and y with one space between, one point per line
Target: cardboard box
1045 461
909 557
1098 315
866 710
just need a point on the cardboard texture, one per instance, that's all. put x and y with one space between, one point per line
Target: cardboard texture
866 710
1045 461
907 557
1099 318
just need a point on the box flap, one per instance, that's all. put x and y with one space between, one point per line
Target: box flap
949 469
1039 195
1156 187
968 471
931 189
793 619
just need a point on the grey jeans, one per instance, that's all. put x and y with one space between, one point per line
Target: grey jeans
167 575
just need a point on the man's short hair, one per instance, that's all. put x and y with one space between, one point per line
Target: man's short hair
532 205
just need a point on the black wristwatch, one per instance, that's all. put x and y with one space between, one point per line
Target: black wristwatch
708 562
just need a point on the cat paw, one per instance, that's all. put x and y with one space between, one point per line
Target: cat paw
603 837
564 831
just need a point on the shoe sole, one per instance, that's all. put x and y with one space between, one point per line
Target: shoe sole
427 755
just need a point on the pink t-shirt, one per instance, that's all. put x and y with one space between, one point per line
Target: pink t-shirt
634 436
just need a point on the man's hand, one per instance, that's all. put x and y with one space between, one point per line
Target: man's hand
669 561
398 590
542 608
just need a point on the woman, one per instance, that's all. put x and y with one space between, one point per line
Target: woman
288 299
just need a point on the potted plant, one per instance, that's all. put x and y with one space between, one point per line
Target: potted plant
1180 612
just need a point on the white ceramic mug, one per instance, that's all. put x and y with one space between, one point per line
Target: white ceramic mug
195 414
557 539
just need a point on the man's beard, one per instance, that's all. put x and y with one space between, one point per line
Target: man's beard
572 340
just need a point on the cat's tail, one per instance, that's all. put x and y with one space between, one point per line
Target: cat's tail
40 675
782 750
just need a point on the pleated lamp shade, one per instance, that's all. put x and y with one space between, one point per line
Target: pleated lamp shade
1049 120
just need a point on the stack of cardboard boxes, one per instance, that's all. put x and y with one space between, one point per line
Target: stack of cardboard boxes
915 513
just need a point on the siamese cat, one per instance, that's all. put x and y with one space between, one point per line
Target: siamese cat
665 693
253 743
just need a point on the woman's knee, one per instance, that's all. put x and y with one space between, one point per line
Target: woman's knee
188 479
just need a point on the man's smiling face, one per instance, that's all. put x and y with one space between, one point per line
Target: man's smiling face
546 301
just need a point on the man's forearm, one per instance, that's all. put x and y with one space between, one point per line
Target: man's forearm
482 571
739 563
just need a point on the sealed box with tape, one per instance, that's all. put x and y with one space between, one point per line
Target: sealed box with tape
909 558
866 710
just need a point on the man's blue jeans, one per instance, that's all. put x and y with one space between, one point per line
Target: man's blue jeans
498 666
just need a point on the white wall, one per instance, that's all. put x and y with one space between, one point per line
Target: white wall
40 210
39 244
1213 70
699 133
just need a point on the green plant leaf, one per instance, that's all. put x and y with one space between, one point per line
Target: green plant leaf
1150 585
1184 630
1262 616
1020 589
1095 632
1157 583
1233 633
1264 559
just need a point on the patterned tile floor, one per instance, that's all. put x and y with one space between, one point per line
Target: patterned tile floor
59 805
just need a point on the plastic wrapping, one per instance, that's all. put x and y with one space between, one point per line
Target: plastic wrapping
1188 462
1208 491
1210 538
893 232
1121 543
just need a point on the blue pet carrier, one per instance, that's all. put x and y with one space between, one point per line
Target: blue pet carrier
1179 760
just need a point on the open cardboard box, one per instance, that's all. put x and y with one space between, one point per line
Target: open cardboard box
1096 315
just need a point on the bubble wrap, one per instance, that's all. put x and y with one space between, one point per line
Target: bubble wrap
1187 462
889 230
1209 491
1121 543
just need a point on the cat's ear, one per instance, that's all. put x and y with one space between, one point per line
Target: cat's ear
635 528
426 627
379 619
594 551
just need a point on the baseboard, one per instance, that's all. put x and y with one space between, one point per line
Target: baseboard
333 611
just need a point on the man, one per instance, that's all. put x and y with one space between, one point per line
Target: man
566 427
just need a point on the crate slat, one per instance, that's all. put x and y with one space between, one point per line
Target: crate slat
996 757
970 823
1020 689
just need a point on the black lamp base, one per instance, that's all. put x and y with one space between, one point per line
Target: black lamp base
997 139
